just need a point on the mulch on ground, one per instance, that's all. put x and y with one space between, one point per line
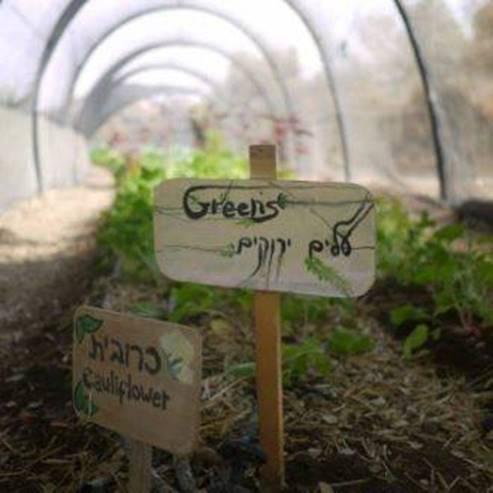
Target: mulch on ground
377 423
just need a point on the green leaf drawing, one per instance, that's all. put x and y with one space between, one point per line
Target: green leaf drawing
175 366
229 251
282 200
324 272
81 402
86 324
300 359
248 222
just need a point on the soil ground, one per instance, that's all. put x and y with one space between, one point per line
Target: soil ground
377 424
46 253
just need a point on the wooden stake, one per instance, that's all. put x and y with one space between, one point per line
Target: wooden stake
140 467
268 349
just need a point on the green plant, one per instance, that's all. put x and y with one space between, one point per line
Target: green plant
111 159
297 361
151 310
444 262
461 279
189 300
300 359
344 342
310 356
415 340
127 229
407 313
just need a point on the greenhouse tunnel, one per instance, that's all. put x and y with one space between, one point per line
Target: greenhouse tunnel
351 136
392 95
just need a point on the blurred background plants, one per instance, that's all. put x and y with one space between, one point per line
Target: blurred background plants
448 264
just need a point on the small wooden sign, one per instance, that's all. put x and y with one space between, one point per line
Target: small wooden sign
138 377
302 237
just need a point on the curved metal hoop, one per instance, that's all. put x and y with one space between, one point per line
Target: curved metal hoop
131 56
430 104
150 92
76 5
84 118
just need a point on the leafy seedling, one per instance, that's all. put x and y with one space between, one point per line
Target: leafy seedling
407 313
298 359
345 342
242 370
415 340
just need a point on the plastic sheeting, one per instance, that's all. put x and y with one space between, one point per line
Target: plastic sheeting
392 92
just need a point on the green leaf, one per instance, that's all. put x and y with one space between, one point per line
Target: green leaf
298 359
86 324
343 341
444 302
242 370
407 313
151 310
415 340
449 233
487 272
435 334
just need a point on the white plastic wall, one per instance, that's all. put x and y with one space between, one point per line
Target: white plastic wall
64 156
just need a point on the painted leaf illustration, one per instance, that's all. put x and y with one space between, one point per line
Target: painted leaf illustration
178 353
228 251
246 223
324 272
86 324
282 200
91 408
79 398
81 403
175 367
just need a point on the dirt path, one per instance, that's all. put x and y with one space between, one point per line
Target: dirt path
46 251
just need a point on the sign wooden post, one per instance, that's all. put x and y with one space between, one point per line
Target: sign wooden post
141 378
270 236
267 235
268 352
140 467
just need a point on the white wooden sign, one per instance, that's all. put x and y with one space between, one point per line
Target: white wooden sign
138 377
302 237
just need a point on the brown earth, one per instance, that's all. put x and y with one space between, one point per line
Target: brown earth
46 253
